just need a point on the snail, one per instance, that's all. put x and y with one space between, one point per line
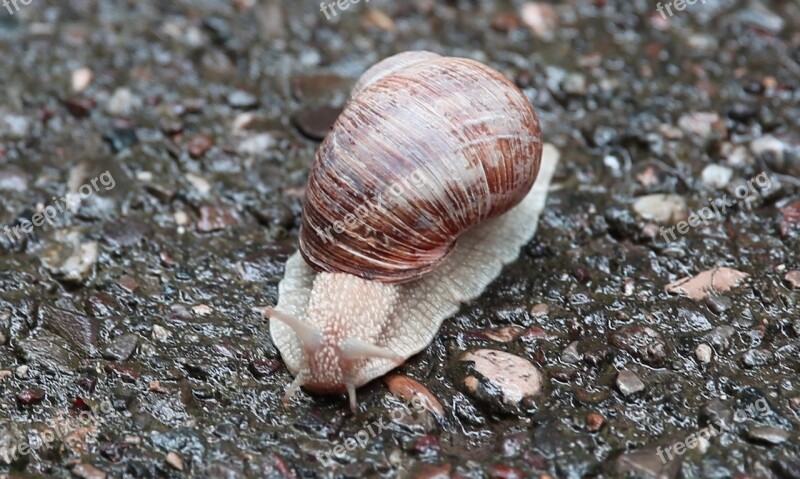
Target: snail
420 193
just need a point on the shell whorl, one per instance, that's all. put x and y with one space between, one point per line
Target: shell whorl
426 148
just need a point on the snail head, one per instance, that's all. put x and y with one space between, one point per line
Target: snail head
346 317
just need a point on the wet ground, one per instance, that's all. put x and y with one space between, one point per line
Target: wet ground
131 338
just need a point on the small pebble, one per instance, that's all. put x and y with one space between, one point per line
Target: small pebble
514 377
261 368
642 342
199 145
123 102
502 471
242 122
88 471
661 208
79 107
122 347
69 258
720 337
718 303
768 435
202 309
257 144
717 176
160 333
16 126
703 353
792 278
12 179
575 84
755 358
629 383
712 281
540 309
242 100
505 22
199 183
175 461
128 283
408 389
570 354
215 218
594 422
790 219
81 78
181 218
768 144
505 334
30 396
739 156
375 18
702 124
757 16
540 18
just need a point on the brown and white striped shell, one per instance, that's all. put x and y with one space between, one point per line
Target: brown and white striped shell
427 148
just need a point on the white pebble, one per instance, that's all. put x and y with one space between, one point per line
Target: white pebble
81 78
702 444
717 176
661 208
22 372
181 218
703 353
160 333
123 102
145 176
16 126
739 156
256 144
540 18
768 144
200 184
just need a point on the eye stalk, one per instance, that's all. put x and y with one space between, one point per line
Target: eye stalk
308 334
354 349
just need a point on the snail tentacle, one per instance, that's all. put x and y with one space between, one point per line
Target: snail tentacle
357 349
292 389
351 393
308 334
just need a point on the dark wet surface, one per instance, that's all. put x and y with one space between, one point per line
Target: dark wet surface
130 334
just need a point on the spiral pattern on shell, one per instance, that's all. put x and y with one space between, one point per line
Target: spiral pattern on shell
426 148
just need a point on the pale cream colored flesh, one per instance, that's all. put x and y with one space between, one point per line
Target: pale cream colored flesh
424 304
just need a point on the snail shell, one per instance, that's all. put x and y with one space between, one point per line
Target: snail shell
464 136
374 279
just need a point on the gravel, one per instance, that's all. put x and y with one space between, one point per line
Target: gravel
604 342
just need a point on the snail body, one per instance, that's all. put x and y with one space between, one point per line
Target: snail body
421 192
